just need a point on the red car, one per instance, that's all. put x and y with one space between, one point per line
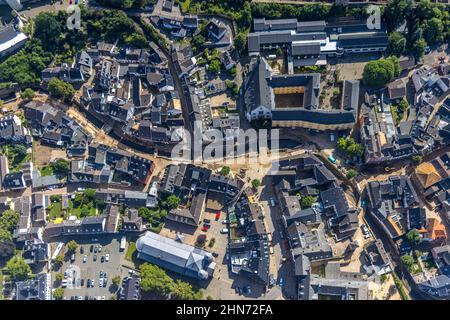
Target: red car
217 216
204 229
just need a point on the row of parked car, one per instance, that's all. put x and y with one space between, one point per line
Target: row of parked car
87 298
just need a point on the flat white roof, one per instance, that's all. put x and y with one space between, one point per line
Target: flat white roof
14 41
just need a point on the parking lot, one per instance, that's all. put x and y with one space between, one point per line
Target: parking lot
87 266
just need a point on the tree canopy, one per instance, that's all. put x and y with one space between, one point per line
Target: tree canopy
18 268
58 293
307 201
413 237
72 246
350 147
8 222
154 279
61 89
397 43
379 72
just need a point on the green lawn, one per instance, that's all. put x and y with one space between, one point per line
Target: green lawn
55 210
130 251
46 171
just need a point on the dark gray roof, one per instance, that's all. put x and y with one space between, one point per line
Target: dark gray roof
312 48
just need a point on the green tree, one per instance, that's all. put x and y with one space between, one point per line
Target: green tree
397 43
418 254
9 220
342 144
61 89
433 31
72 246
136 40
59 277
47 29
240 42
417 159
256 183
154 279
225 171
413 237
116 281
58 262
7 246
379 72
173 201
198 41
408 261
183 291
58 293
18 268
307 201
418 47
214 66
351 173
61 166
27 94
89 195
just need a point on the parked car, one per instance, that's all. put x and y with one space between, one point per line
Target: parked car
95 257
100 248
100 282
84 258
91 249
217 216
204 229
81 250
82 282
107 257
215 254
225 221
281 282
207 225
88 284
207 220
95 249
224 230
102 259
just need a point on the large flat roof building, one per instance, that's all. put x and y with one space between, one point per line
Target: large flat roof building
175 256
293 100
311 42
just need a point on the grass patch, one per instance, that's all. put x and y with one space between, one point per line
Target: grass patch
55 210
131 250
46 171
401 289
